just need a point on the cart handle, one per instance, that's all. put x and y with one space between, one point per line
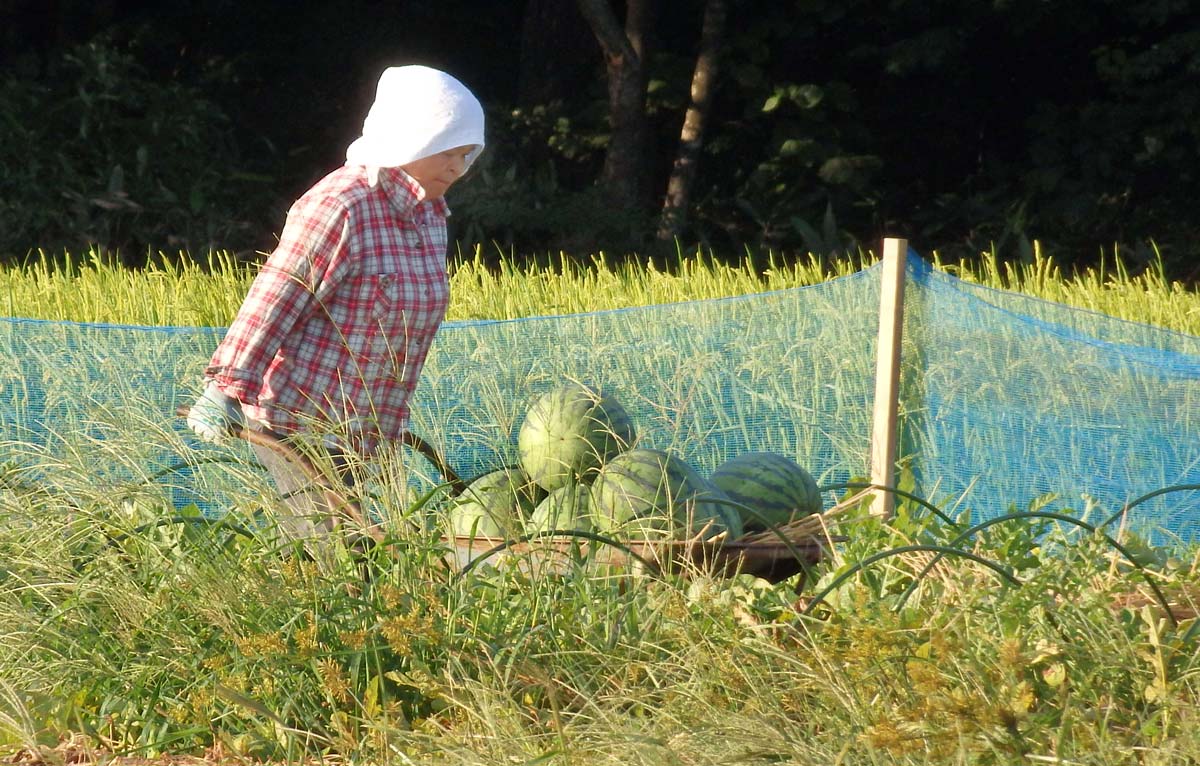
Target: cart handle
334 496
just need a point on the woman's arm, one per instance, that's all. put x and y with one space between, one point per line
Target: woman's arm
310 260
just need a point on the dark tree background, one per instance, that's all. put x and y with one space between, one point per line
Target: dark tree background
740 125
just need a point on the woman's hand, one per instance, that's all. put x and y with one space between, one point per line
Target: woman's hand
215 416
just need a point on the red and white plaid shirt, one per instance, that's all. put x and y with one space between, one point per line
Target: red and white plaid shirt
337 325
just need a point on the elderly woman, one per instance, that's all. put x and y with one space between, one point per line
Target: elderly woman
335 329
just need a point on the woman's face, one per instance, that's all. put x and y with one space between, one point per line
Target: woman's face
438 172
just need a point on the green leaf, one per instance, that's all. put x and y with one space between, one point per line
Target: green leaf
249 703
1055 674
196 199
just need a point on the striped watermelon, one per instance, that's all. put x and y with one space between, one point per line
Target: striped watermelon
775 487
569 432
566 508
494 505
651 494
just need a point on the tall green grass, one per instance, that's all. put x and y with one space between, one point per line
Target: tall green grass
1110 288
91 288
207 292
122 633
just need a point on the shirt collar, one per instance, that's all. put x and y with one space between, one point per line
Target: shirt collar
406 194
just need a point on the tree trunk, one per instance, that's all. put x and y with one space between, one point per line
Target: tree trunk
623 177
691 137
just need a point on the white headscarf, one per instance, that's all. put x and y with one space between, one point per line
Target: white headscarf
417 112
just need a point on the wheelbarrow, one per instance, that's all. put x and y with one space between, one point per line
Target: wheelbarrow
773 555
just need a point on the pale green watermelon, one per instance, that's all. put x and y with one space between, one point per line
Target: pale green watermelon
494 505
569 432
566 508
775 487
652 494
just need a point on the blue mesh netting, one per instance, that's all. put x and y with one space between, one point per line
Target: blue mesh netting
1009 397
1004 397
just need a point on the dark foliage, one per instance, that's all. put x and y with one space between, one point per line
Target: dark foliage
964 126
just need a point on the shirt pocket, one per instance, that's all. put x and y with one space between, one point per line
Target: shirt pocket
403 313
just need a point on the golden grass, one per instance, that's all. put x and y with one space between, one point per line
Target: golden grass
207 292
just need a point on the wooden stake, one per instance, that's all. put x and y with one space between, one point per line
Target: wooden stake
887 375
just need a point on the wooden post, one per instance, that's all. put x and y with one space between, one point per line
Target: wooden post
887 375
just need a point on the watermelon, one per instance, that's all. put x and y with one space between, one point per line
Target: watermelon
566 508
651 494
774 487
569 432
494 505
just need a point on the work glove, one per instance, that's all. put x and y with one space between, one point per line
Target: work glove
215 416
